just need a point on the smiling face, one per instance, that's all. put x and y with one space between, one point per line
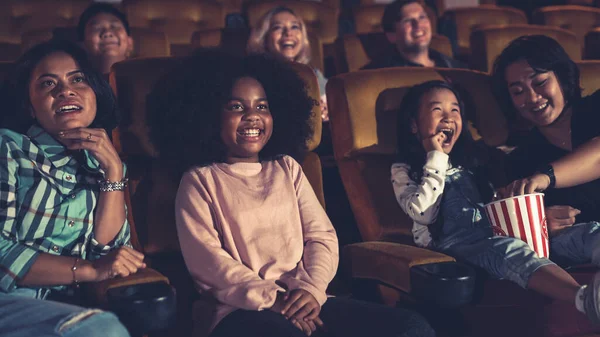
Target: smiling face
439 111
246 124
106 36
285 36
537 96
412 30
61 98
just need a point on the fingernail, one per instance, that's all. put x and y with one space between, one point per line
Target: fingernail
61 133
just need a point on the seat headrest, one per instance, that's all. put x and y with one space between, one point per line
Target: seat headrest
364 107
489 41
132 80
590 76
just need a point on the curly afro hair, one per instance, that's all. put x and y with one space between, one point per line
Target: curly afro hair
184 108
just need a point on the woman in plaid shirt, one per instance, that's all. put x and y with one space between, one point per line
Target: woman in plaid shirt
62 210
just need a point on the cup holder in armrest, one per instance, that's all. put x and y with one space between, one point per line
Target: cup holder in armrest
443 284
145 307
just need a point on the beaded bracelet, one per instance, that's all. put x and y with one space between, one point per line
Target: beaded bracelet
110 186
73 269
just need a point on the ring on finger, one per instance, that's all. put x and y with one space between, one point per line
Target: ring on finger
89 137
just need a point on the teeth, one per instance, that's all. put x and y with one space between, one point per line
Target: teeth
250 132
541 107
67 108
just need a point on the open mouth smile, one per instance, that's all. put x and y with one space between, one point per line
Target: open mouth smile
250 133
288 45
540 107
69 108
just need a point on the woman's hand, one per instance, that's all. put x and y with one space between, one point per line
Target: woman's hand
536 183
560 217
120 262
97 142
434 142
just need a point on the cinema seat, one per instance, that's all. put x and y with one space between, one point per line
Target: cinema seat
33 15
152 189
363 107
31 38
9 51
577 19
468 18
319 18
367 18
235 41
488 42
355 51
592 44
178 19
589 76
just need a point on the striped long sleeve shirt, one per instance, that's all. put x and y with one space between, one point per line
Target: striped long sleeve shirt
48 197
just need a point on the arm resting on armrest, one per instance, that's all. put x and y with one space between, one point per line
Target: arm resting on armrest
97 291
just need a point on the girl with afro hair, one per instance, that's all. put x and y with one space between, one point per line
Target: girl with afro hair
256 241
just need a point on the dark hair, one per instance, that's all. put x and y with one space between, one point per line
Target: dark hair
14 92
391 14
184 108
543 54
410 149
96 9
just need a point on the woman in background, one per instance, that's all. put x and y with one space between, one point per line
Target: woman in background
283 34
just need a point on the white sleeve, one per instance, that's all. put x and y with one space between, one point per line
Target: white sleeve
420 201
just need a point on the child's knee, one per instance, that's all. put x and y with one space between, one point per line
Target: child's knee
92 323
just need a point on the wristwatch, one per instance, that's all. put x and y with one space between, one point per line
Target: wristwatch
549 171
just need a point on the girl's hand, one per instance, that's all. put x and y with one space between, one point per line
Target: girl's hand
300 305
324 111
560 217
120 262
434 142
96 141
536 183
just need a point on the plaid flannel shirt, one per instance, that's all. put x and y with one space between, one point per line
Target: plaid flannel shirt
48 196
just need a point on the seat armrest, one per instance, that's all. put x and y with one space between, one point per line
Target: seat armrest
145 302
426 275
388 262
97 291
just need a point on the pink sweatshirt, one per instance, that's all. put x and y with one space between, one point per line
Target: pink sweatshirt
246 229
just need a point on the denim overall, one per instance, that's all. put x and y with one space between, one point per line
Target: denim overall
462 230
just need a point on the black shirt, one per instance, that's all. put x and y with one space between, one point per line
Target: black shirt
536 151
392 58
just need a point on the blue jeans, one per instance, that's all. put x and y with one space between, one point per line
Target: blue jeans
24 313
463 231
341 317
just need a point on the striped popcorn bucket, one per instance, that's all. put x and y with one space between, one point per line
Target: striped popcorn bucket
521 217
